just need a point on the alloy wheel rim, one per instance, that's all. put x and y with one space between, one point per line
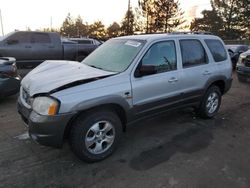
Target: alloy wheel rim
212 102
100 137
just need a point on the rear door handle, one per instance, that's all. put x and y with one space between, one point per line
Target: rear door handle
206 73
173 79
27 46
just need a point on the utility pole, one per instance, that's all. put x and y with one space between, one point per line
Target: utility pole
51 23
1 20
128 17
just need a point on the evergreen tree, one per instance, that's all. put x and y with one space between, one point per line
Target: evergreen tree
67 28
228 19
113 30
168 15
234 16
128 23
97 30
80 28
244 18
210 22
161 15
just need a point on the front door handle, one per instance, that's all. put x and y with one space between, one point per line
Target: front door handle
206 73
27 46
173 79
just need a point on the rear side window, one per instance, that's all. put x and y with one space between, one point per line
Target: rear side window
97 42
83 41
217 49
40 38
193 53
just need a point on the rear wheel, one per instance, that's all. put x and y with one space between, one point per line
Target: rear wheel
210 103
95 135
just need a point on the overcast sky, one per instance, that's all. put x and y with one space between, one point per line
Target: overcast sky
21 14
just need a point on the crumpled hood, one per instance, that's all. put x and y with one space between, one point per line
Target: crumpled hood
54 74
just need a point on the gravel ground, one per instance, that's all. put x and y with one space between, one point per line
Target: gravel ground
176 150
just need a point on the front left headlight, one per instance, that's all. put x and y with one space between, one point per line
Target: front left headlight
45 106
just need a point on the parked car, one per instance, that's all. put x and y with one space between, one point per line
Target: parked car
9 79
234 51
32 48
243 67
124 80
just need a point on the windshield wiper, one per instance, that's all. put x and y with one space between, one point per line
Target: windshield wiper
96 67
101 68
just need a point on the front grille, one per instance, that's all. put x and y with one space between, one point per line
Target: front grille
247 63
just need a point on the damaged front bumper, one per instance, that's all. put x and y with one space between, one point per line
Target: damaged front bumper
46 130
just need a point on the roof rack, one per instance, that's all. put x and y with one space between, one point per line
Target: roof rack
192 32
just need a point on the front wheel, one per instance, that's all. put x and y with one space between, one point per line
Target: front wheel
95 135
210 103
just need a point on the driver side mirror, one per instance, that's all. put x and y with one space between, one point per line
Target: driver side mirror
143 70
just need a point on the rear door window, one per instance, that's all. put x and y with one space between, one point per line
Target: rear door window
217 49
40 38
193 53
83 41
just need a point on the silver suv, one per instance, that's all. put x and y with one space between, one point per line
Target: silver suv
124 80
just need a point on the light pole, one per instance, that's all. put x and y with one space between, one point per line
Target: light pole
51 23
1 22
128 16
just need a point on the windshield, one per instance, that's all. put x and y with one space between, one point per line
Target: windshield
114 55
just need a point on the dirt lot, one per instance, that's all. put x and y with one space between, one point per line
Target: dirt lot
175 150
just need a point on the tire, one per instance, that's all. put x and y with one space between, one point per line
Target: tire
95 135
210 103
